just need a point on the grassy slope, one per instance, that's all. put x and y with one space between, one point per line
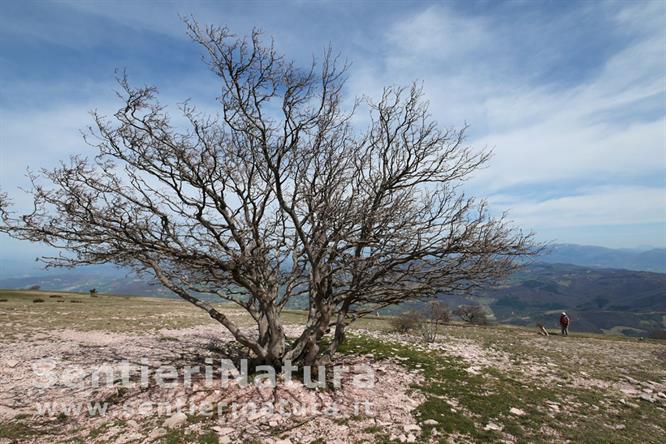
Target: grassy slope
462 402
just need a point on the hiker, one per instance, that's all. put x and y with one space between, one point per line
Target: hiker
564 324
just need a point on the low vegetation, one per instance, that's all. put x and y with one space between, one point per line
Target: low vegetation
474 383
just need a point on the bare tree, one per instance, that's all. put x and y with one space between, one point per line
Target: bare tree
279 197
473 314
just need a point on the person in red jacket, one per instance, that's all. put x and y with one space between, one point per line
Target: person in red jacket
564 324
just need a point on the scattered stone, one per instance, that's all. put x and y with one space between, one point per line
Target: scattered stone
494 427
517 412
629 391
223 430
430 422
176 420
132 423
157 433
646 397
225 439
411 428
132 437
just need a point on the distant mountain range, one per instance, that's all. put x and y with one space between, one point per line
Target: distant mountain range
104 278
604 290
641 260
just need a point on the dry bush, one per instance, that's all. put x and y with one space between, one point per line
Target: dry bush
405 322
37 300
472 314
434 314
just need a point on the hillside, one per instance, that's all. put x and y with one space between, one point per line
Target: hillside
106 279
474 384
599 300
620 301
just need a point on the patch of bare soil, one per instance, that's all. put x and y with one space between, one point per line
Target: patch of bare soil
78 378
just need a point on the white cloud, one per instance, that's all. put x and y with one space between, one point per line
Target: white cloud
605 205
546 134
540 132
439 34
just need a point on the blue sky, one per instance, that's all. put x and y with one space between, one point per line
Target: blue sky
570 95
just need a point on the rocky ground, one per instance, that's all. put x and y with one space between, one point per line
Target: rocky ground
250 412
474 384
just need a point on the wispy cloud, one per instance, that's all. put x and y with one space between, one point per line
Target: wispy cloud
571 96
597 206
598 134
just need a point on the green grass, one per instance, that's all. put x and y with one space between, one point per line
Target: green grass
24 429
15 430
179 436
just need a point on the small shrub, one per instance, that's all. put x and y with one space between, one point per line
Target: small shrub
657 334
74 301
3 300
434 314
56 296
37 300
405 322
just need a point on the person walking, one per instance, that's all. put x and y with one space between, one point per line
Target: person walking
564 324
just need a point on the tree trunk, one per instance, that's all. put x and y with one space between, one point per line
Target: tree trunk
271 336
